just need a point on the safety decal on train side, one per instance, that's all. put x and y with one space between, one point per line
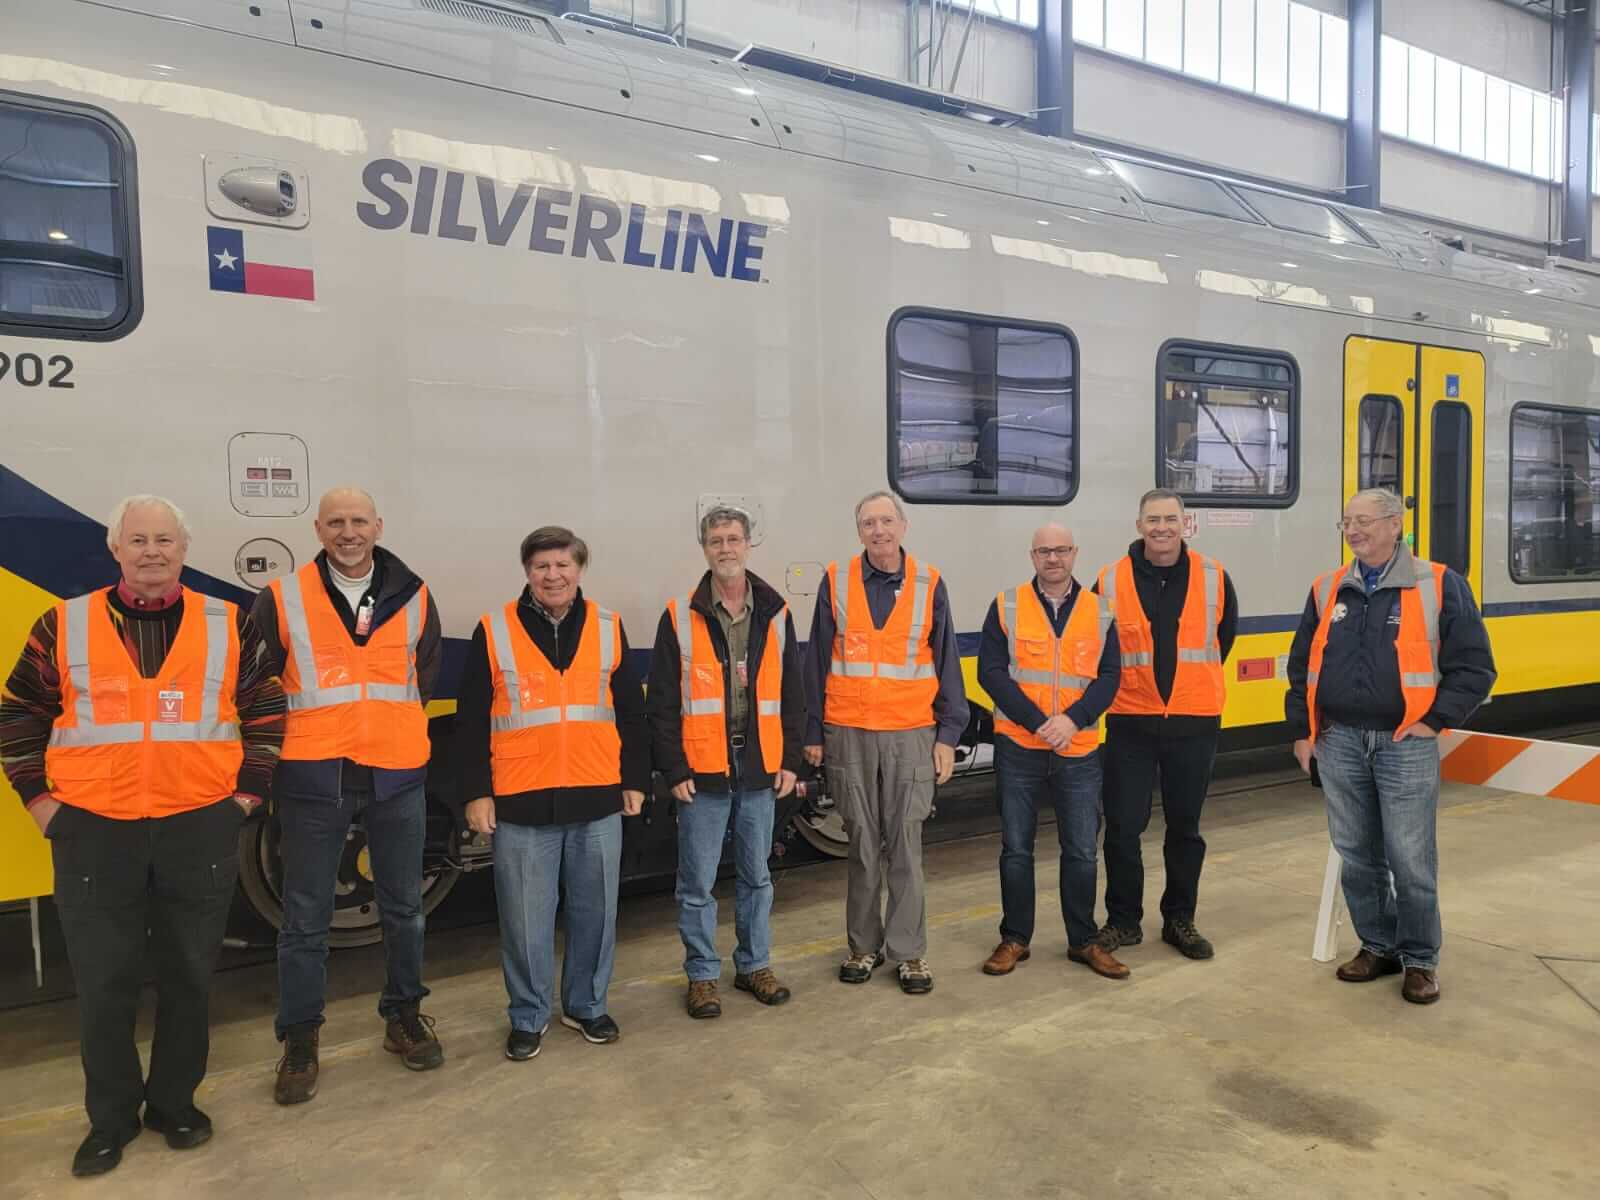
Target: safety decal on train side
463 207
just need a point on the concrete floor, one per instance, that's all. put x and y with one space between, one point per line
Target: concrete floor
1256 1074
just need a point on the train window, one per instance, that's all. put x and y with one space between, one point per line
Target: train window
68 261
1301 216
982 410
1382 432
1449 528
1179 189
1555 494
1227 425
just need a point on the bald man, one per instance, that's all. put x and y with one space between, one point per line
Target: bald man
1051 671
355 636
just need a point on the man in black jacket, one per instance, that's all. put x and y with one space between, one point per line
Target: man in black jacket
1390 650
727 714
358 648
553 751
1176 629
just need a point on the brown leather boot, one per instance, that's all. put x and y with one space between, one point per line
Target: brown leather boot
702 1001
1005 958
763 985
1421 985
1367 966
1099 960
411 1036
297 1069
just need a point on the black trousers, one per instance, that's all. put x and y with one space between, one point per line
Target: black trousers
1132 763
142 895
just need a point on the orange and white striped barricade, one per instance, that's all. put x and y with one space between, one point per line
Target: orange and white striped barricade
1560 770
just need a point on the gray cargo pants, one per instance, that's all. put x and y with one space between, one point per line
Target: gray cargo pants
882 782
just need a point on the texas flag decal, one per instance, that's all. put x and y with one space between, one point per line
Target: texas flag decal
268 264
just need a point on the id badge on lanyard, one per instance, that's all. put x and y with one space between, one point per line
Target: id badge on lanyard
364 618
169 706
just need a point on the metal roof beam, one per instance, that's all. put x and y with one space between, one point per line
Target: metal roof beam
1054 51
1363 139
1577 83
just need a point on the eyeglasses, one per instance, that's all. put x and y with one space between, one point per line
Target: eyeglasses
1361 523
1055 551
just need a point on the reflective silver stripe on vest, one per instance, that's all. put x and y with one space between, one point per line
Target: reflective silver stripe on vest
608 663
294 613
1109 594
506 660
407 692
1211 652
207 729
778 635
921 602
87 733
691 706
1428 593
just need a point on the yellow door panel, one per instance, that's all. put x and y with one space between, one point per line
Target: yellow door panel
24 855
1380 415
1450 461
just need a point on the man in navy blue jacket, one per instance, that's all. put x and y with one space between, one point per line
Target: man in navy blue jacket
1391 649
1049 756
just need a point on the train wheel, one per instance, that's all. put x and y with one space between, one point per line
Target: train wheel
355 906
824 831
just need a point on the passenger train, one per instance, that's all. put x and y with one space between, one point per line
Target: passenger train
505 270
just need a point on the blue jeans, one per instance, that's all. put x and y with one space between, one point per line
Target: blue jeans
312 847
702 825
533 866
1383 807
1025 779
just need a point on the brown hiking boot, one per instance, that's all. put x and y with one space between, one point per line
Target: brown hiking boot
297 1069
763 985
1005 958
1099 960
702 1000
1367 966
410 1035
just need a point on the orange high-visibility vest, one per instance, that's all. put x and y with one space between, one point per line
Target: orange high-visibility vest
1416 644
1197 685
345 700
705 731
1052 671
550 728
128 747
881 679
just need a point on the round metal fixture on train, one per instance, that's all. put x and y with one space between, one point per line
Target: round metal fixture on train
267 191
261 560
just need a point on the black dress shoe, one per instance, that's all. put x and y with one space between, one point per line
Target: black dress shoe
190 1128
523 1044
599 1030
101 1151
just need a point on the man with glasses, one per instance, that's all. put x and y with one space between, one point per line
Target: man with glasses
727 712
1176 613
1050 669
1391 649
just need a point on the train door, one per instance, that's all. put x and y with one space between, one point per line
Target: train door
1413 423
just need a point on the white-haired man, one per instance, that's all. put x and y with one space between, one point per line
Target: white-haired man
1391 650
886 705
140 730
